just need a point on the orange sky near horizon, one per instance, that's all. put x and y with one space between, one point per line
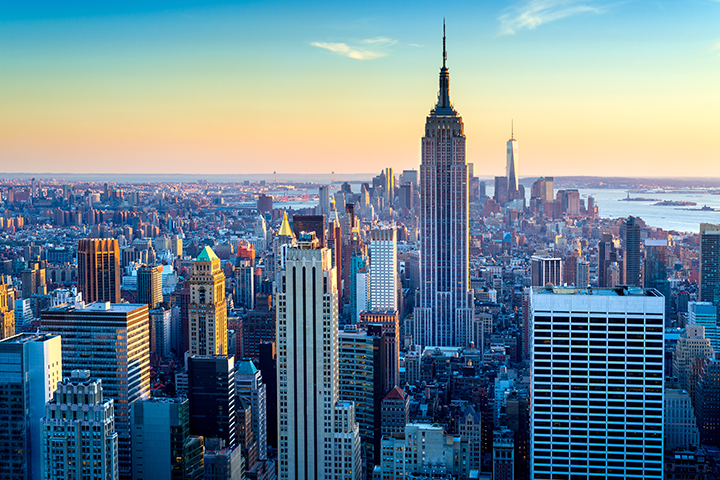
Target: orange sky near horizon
162 102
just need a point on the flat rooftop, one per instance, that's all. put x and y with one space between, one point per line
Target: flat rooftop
28 337
617 291
97 307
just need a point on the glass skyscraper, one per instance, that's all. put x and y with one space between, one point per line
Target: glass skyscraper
710 263
511 169
112 340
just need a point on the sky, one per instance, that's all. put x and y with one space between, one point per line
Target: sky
609 88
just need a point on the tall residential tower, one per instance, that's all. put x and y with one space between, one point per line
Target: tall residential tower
445 308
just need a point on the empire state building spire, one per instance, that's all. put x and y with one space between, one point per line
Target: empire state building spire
445 312
444 107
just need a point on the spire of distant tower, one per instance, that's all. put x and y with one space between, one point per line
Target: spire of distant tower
512 130
285 230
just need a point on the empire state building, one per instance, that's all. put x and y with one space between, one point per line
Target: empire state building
445 313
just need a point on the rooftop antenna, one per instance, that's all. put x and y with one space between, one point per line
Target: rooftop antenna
444 50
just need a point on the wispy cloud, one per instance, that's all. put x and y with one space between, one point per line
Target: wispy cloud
716 48
366 49
533 13
385 41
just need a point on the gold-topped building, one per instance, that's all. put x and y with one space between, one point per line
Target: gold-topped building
208 309
7 310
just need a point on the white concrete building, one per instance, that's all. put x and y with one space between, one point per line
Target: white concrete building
545 269
362 291
423 451
307 359
324 200
383 269
23 313
346 460
597 385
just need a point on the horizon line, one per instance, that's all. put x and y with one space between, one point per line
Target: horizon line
201 176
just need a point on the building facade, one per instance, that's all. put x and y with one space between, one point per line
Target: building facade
655 267
79 438
245 276
207 309
597 386
250 386
445 311
546 269
390 323
681 430
710 263
383 269
692 344
307 358
361 367
707 403
705 315
607 256
113 342
503 454
224 464
631 250
211 391
7 310
31 367
149 285
511 169
162 447
394 412
99 269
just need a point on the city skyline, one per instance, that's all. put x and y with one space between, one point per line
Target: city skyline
207 318
136 88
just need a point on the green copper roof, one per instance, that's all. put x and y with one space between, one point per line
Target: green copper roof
247 367
207 255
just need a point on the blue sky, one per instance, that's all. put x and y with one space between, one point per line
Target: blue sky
594 87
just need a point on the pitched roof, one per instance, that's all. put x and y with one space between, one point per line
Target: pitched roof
207 255
285 229
247 367
470 411
396 393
